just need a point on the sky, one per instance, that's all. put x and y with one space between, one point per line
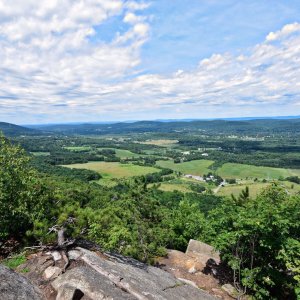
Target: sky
114 60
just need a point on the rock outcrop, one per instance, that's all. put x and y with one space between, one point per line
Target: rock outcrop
93 275
14 286
203 251
200 264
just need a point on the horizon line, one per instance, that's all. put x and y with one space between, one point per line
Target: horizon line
162 120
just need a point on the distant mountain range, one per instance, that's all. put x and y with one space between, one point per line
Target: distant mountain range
223 126
252 126
163 121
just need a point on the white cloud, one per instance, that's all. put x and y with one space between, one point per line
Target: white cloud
52 65
134 5
269 75
47 56
132 18
285 31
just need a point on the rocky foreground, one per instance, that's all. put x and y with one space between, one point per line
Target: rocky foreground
92 275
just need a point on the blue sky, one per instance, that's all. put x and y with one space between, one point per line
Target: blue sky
107 60
184 32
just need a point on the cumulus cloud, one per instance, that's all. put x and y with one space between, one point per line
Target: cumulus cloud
269 75
132 18
285 31
134 5
48 55
54 69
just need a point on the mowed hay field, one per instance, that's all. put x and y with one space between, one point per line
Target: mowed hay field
126 154
121 153
78 148
170 187
111 170
178 184
39 153
233 170
256 188
194 167
229 170
162 143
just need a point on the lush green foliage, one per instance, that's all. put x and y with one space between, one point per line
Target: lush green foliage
294 179
21 193
259 239
80 174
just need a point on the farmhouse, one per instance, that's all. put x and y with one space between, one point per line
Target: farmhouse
186 152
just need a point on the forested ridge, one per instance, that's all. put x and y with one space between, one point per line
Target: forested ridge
258 237
248 127
269 142
261 126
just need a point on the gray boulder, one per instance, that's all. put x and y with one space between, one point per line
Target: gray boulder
14 286
85 281
202 251
101 278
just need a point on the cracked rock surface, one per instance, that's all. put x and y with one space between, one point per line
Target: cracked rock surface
110 279
95 276
14 286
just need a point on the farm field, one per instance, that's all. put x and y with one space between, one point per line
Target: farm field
121 153
229 170
195 167
233 170
78 148
114 170
179 184
40 153
170 187
256 188
162 142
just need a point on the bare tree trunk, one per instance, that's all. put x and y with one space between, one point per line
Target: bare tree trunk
61 237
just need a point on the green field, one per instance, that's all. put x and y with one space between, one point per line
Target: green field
233 170
179 184
256 188
229 170
160 142
123 154
126 154
40 153
195 167
78 148
112 170
170 187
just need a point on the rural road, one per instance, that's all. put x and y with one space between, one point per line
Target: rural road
216 190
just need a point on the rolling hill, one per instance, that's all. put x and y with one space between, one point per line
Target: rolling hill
12 130
258 126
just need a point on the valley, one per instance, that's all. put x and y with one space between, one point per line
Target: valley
139 189
243 153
